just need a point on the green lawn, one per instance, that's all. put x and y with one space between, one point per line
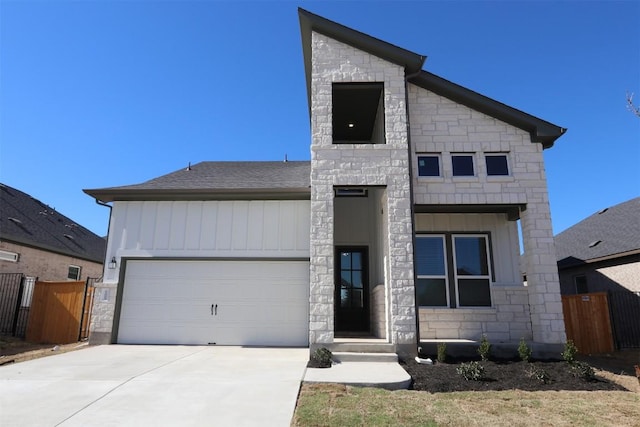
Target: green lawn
339 405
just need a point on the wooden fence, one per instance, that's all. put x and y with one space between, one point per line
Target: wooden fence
56 312
587 322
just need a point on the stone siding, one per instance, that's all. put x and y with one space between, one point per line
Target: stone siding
441 126
385 165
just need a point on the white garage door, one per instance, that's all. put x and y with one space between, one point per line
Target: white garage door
215 302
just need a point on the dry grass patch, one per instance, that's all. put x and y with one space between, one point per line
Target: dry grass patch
339 405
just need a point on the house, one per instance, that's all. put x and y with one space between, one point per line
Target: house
40 242
402 228
601 253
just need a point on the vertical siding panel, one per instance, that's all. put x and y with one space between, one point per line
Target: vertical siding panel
208 223
239 225
149 212
271 225
193 224
118 216
178 225
163 222
303 225
287 230
255 237
132 227
223 226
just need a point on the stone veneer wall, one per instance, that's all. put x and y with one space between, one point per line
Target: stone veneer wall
359 164
508 321
439 125
378 312
102 314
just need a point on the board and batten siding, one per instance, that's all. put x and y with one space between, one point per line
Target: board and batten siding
505 249
198 229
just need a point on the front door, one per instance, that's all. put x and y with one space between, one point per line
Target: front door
352 290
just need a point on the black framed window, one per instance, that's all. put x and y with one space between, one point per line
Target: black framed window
429 165
497 164
462 165
453 270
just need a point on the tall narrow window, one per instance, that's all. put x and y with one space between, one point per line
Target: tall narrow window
358 113
472 271
431 271
581 284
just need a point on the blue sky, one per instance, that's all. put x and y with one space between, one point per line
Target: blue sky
105 93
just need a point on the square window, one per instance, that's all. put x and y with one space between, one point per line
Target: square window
428 165
497 165
73 273
462 165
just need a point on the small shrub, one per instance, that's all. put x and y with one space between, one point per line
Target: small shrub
569 353
442 352
473 371
524 351
583 370
321 358
484 350
538 374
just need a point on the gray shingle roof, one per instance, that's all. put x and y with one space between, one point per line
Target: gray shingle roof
28 221
606 233
289 179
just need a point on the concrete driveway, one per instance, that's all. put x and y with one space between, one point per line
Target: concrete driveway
128 385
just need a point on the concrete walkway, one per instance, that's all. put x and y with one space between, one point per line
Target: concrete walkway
121 385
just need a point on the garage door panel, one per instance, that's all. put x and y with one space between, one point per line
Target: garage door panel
258 302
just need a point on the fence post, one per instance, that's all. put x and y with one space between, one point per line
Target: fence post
84 303
16 313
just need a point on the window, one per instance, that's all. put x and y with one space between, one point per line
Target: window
431 271
429 165
358 113
462 165
497 164
74 272
453 270
9 256
581 284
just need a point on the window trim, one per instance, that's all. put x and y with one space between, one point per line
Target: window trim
78 276
437 156
443 238
488 276
473 165
9 256
497 154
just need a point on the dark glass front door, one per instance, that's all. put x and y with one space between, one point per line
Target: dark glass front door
352 290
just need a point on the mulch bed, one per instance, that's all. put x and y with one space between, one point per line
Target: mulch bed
501 375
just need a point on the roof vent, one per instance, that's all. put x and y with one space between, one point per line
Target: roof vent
69 237
594 243
603 211
16 220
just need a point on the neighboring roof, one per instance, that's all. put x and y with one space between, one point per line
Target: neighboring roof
609 233
30 222
220 181
540 130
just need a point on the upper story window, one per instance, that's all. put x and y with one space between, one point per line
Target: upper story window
581 284
9 256
74 272
497 164
358 113
428 165
462 164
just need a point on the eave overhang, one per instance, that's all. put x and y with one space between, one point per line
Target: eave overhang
511 210
121 194
540 130
48 248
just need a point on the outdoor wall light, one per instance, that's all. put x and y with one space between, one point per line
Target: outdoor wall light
112 263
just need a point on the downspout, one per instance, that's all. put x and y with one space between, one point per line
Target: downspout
101 203
412 205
